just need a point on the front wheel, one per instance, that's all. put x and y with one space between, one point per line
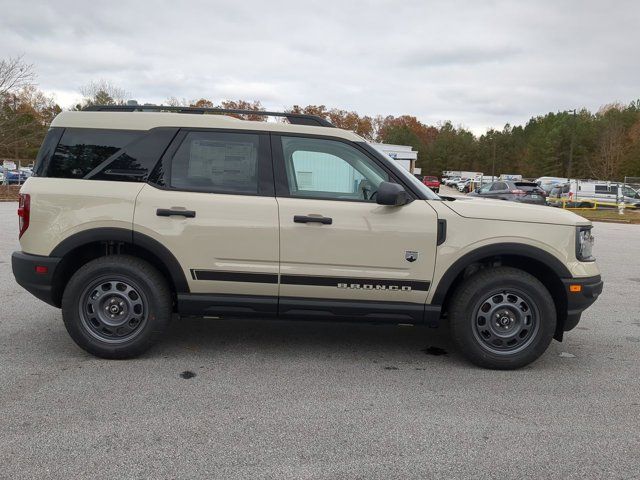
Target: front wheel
502 318
116 306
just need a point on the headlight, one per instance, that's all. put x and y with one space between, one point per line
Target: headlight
584 244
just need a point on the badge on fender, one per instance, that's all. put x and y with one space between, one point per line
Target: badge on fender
410 256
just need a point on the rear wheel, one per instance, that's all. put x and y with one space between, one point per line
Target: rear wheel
116 306
502 318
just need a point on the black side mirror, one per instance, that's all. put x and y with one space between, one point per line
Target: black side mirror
391 194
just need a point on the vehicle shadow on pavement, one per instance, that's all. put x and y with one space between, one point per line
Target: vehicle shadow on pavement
293 338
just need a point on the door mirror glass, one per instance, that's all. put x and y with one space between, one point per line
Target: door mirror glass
391 194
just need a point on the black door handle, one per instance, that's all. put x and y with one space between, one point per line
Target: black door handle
311 219
168 212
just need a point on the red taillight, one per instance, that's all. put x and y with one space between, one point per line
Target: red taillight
518 192
42 269
24 212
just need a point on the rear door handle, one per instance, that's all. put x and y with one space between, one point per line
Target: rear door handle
170 212
312 219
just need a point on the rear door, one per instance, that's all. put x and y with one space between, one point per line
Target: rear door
213 207
498 190
341 253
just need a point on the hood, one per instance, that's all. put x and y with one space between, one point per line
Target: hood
482 208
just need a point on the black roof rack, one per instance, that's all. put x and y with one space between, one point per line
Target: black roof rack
294 118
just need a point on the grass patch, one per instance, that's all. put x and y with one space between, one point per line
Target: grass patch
610 215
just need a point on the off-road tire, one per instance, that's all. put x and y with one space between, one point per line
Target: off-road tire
466 317
124 278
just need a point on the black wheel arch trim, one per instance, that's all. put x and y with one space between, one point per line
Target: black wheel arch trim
112 234
496 250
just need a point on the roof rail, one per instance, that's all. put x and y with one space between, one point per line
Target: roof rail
294 118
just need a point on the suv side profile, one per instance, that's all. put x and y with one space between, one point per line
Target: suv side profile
525 192
136 213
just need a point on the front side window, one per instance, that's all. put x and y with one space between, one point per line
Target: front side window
318 168
216 162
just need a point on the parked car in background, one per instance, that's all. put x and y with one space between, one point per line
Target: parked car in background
464 185
452 181
524 192
14 177
432 182
547 183
557 191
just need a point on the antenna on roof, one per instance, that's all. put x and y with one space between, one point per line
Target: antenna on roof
294 118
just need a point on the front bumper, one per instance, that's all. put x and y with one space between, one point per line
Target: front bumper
38 284
585 291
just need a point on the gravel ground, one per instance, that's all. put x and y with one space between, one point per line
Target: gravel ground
305 400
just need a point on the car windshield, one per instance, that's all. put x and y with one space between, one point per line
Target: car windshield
408 177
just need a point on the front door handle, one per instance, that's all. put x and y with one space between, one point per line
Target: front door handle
312 219
170 212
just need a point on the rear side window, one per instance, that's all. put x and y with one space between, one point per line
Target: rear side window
217 162
80 150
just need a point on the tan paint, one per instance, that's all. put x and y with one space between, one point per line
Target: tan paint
365 240
232 233
61 207
240 233
467 234
148 120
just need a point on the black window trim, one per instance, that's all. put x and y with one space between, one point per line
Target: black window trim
103 166
280 172
59 134
162 180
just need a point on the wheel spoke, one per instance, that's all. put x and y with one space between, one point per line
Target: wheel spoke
504 322
113 310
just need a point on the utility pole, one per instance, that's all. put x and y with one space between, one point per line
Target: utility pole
493 164
573 139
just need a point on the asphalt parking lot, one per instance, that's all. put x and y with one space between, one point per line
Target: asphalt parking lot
305 400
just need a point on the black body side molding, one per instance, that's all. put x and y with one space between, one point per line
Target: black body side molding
497 250
117 235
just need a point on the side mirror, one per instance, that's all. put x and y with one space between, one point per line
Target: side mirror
391 194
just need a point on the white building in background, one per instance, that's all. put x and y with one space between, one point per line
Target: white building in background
405 155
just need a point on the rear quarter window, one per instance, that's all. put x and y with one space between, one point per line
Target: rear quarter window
80 150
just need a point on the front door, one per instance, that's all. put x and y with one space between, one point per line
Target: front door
342 254
215 210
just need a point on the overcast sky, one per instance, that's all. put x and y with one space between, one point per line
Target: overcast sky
479 64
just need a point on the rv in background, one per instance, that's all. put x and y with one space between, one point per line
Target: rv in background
600 191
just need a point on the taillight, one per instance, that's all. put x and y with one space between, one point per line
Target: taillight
517 191
24 212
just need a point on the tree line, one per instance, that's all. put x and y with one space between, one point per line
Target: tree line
577 144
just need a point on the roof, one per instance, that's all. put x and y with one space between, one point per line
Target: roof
149 120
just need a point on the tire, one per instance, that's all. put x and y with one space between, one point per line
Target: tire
116 306
502 318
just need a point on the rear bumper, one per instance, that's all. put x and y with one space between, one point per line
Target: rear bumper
38 284
579 301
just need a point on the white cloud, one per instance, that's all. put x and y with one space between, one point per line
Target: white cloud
480 64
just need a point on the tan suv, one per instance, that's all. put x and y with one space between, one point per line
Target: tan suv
135 213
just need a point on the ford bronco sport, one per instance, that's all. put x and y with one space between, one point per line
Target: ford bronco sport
136 213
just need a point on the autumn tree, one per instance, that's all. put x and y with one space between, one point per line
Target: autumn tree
25 111
102 92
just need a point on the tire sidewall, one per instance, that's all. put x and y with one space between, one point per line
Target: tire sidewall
462 321
157 316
